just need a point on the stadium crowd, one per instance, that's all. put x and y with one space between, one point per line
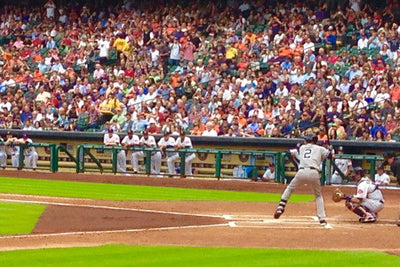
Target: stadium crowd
243 69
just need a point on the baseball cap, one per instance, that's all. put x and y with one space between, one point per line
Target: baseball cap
380 167
130 132
340 148
24 136
271 164
110 130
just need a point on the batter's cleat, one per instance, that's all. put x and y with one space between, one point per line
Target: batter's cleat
279 211
367 219
323 222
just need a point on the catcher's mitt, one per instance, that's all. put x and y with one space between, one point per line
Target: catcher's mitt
338 195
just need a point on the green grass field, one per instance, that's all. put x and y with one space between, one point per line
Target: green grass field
188 256
131 192
21 218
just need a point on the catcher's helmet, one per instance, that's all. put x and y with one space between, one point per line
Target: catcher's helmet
311 137
359 170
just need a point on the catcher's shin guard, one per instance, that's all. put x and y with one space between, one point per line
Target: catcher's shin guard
357 209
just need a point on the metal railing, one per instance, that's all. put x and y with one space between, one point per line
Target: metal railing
218 166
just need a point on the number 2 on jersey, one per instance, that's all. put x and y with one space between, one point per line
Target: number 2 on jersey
307 153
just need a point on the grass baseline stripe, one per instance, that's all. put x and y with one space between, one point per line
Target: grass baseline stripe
112 231
106 207
90 190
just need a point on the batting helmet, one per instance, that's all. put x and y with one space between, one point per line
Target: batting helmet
359 170
311 137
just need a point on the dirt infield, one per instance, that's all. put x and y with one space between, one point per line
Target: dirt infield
70 222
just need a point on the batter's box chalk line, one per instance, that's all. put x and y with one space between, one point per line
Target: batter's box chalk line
266 221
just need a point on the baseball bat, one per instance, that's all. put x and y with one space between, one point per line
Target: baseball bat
326 129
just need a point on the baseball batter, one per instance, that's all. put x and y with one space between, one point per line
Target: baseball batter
310 155
148 141
368 200
131 140
184 142
112 139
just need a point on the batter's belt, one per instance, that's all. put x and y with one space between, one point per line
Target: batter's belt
311 168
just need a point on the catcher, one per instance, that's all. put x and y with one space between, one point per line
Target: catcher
368 200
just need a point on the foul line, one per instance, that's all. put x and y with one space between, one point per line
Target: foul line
111 231
106 207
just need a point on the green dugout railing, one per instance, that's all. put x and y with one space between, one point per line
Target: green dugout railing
255 160
53 151
58 149
51 148
275 156
365 161
83 150
219 153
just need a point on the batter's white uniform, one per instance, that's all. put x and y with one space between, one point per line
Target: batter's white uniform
311 157
30 154
155 166
171 156
344 165
189 157
382 179
369 194
3 155
114 140
129 142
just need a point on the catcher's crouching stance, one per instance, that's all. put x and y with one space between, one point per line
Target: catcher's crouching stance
368 200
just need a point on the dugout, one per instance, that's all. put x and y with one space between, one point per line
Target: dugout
205 160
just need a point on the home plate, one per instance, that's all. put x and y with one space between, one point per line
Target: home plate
264 221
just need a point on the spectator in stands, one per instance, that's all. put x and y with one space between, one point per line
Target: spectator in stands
378 127
115 54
